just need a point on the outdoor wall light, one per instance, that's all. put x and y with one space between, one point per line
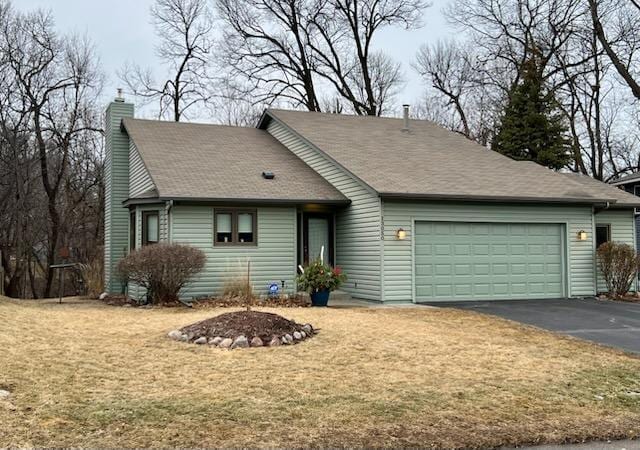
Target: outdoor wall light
582 235
401 234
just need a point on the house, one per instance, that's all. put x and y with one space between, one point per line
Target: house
631 184
411 211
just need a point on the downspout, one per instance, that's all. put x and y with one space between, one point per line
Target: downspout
168 206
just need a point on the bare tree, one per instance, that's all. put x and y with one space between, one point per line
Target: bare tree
623 48
450 70
184 30
266 43
287 48
345 32
55 84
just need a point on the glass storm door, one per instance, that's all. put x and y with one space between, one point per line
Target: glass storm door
318 233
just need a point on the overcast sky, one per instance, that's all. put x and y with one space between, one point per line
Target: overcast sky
121 31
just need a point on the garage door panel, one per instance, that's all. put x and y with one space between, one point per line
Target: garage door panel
488 261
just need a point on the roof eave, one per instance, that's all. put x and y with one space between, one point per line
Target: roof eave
494 199
229 201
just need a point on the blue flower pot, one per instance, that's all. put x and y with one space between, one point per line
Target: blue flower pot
320 298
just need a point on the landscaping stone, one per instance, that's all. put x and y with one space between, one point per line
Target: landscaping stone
4 394
240 342
176 335
103 296
226 343
242 329
307 328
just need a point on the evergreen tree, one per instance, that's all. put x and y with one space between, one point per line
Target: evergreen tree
532 127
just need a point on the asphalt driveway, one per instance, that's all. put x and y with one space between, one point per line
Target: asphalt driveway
615 324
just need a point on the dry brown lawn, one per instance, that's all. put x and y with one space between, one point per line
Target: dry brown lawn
84 374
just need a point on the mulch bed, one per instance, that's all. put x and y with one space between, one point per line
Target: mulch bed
631 298
293 301
247 323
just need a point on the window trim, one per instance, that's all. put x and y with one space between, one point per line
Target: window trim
145 237
601 225
133 225
235 241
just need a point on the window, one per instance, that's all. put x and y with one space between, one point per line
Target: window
150 227
603 234
132 230
636 191
235 227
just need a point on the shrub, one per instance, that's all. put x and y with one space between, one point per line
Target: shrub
619 264
318 276
163 269
92 274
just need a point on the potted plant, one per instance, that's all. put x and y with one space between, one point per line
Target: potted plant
319 279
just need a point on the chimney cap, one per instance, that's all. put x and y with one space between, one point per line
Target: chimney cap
119 96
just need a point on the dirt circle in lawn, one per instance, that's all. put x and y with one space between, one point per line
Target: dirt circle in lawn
241 329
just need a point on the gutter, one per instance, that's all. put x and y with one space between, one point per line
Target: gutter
497 199
215 200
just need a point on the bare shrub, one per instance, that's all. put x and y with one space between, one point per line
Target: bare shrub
163 269
619 264
92 274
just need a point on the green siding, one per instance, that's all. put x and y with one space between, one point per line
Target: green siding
479 261
139 179
116 230
272 260
358 245
622 230
398 255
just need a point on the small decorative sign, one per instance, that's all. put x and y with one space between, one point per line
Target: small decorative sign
273 289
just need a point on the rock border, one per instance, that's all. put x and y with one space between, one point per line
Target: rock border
242 341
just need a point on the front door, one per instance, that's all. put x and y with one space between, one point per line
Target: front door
317 233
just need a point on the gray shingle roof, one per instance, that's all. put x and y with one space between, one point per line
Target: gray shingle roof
633 177
202 161
431 162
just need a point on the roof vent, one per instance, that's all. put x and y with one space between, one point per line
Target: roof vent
268 175
405 117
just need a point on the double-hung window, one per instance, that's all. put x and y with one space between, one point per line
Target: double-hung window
150 227
235 227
